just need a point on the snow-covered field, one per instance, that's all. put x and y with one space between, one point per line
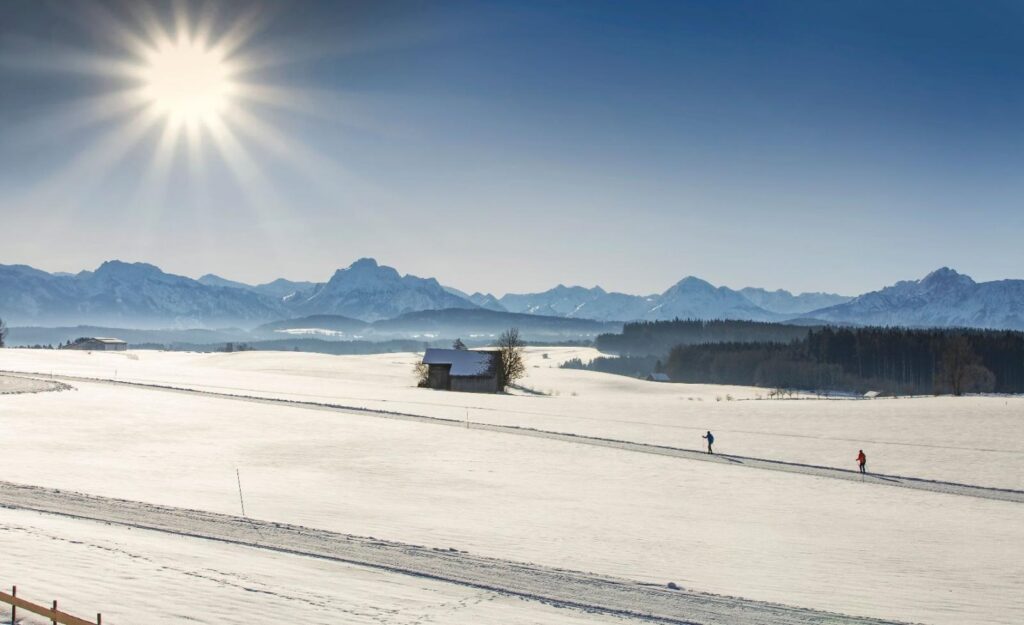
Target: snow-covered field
821 543
136 576
974 440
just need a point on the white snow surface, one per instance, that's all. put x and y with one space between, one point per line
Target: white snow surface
136 576
972 440
858 549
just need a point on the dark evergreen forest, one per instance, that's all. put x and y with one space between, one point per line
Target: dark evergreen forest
893 360
656 338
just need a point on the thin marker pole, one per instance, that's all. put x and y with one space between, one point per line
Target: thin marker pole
240 499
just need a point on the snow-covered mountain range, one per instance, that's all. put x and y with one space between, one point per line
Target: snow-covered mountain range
943 298
139 295
689 298
125 295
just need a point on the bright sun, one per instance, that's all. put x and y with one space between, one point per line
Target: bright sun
187 83
192 86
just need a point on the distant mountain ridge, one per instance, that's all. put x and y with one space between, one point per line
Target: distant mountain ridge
140 295
120 294
785 303
691 298
943 298
279 288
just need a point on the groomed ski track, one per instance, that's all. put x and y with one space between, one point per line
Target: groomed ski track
950 488
571 589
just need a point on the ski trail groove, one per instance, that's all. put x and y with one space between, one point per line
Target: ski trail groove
559 587
915 483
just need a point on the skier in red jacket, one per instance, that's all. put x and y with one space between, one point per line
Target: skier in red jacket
862 461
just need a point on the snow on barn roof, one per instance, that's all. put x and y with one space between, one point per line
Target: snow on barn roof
464 362
105 340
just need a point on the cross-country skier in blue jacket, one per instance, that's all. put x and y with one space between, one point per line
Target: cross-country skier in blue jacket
711 440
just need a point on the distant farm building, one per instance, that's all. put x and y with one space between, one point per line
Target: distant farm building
872 394
658 377
464 370
97 344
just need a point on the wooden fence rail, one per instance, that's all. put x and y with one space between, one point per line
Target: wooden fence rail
55 615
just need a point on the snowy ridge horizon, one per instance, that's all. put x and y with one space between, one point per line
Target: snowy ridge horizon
118 293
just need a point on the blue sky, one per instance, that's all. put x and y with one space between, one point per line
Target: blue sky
511 146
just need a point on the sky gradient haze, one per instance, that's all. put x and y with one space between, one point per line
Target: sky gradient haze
511 146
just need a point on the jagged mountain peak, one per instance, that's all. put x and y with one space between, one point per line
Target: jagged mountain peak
122 269
365 272
123 274
368 291
365 262
944 276
212 279
693 283
562 289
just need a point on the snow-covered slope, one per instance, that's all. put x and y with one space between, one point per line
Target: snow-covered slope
31 296
943 298
838 545
119 294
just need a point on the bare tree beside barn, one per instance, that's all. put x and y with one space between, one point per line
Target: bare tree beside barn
3 333
510 350
422 373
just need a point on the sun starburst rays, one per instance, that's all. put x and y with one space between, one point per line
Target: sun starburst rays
183 86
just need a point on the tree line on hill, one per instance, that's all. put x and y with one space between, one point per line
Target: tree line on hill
656 338
773 355
894 360
634 366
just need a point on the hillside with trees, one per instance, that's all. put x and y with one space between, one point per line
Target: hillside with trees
656 338
893 360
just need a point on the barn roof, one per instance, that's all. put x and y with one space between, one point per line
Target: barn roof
464 362
105 340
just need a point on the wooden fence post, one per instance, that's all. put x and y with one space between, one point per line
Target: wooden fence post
56 616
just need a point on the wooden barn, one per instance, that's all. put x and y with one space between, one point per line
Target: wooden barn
464 370
98 344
